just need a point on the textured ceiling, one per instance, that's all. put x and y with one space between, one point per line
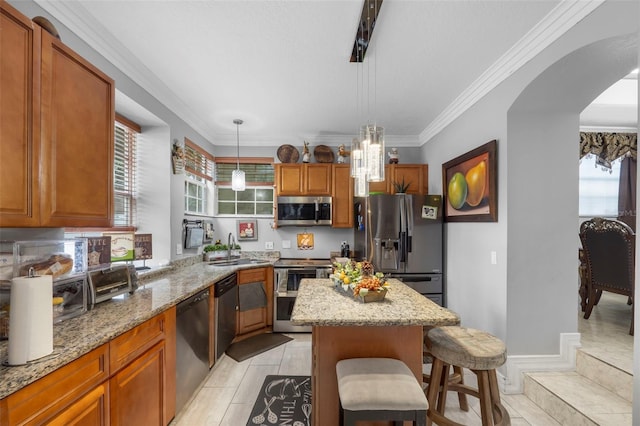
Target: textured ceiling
283 66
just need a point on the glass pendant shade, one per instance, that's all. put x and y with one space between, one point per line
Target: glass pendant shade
237 180
361 184
237 176
357 157
372 138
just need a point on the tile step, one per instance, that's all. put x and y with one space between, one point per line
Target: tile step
605 374
573 399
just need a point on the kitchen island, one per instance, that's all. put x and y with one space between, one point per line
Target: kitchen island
343 327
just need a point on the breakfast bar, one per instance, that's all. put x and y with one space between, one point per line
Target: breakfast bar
343 327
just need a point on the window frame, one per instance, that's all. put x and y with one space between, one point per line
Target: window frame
250 184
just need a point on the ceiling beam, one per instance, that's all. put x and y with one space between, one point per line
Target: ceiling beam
364 32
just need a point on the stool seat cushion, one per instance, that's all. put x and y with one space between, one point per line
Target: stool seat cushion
378 384
467 347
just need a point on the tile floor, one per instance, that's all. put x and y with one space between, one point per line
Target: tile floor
227 395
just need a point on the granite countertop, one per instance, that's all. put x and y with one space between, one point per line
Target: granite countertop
72 338
319 303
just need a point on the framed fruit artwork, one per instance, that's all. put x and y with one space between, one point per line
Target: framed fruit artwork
470 186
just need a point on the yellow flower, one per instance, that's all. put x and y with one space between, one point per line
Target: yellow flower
346 280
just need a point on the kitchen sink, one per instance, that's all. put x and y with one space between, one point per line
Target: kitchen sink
233 262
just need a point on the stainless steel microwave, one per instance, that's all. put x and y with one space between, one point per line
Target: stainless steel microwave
304 211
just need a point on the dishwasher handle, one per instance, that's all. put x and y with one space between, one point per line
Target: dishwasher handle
187 304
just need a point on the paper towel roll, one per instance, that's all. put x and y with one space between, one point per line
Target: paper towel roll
30 319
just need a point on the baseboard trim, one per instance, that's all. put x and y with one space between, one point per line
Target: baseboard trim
513 381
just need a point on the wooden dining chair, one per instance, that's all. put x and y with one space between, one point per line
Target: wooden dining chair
609 254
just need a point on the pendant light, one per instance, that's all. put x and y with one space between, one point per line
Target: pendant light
237 177
367 151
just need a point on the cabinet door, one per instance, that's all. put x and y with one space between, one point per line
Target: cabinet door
252 319
90 410
138 392
19 115
77 119
381 187
318 179
416 175
289 179
342 193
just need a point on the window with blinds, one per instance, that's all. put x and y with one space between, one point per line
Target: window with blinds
124 172
198 182
257 199
197 161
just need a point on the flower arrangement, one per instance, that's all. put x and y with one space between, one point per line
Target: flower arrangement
358 277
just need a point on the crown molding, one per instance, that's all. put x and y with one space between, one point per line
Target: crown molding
557 22
398 141
82 23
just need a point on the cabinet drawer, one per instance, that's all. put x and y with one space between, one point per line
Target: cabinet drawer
251 275
40 401
130 345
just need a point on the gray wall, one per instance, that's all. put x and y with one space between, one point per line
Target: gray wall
530 295
636 340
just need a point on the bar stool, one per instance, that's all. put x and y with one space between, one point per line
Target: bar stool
379 389
476 350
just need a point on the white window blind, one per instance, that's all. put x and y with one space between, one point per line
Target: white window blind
124 172
197 160
257 199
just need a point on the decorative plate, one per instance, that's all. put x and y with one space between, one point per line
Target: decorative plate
288 154
323 154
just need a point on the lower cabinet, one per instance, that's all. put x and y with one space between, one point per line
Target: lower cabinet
255 300
130 380
91 409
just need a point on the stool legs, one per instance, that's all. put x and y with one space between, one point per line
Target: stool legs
492 411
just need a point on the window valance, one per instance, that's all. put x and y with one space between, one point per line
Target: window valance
608 147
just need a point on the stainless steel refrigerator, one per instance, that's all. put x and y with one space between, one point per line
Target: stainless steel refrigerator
402 235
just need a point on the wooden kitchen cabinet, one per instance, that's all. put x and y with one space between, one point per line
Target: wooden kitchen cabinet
417 175
129 380
19 115
143 368
60 394
342 193
250 320
58 115
303 179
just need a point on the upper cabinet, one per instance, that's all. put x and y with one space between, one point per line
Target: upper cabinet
342 193
303 179
58 114
414 176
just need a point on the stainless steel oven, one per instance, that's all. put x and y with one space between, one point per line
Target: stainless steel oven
288 274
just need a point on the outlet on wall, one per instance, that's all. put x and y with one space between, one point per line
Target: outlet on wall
268 245
178 248
286 244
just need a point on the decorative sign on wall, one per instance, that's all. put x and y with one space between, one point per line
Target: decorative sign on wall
122 246
143 246
247 230
99 251
305 241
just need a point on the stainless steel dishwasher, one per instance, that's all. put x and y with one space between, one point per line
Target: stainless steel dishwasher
226 304
192 345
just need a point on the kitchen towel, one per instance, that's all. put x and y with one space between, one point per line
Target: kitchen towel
30 319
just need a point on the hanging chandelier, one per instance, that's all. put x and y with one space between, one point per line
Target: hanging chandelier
237 177
367 150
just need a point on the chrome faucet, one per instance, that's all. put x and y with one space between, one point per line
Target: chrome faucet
230 247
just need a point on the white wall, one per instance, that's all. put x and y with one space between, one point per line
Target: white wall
516 299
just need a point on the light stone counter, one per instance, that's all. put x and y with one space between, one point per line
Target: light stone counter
319 304
77 336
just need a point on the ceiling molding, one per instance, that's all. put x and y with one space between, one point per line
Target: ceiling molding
77 19
608 129
399 141
562 18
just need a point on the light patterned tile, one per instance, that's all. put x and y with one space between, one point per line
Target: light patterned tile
296 360
528 410
250 386
237 415
226 373
207 408
270 357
